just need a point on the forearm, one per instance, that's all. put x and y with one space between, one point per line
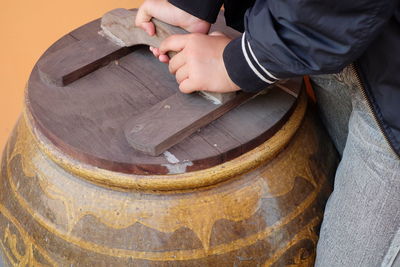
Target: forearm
204 9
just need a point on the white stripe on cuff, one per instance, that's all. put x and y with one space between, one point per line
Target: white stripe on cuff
256 60
251 64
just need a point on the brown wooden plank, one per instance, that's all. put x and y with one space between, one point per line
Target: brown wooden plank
70 63
173 119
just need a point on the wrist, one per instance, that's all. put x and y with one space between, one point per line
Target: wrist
194 25
244 68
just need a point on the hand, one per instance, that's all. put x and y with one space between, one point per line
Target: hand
198 65
166 12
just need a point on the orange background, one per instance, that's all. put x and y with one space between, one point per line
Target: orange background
27 29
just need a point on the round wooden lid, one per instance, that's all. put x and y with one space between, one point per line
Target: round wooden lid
85 119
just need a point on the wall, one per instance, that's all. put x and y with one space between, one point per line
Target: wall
27 29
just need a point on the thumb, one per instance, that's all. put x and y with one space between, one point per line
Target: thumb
143 20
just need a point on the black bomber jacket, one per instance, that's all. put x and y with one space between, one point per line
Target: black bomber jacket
289 38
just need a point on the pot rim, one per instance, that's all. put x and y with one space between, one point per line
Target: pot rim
173 182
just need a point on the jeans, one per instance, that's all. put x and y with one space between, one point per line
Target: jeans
361 225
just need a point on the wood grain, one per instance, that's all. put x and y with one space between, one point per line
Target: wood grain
173 119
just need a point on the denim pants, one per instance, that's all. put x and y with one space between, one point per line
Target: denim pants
362 217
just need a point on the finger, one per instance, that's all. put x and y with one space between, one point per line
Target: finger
176 62
149 28
164 59
143 20
173 43
187 86
182 74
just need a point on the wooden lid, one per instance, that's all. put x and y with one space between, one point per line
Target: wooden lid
86 118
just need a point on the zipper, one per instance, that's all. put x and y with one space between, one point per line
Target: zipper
360 84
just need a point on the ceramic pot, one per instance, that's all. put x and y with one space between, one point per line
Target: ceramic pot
260 209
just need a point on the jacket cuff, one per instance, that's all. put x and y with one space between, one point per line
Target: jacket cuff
203 9
244 68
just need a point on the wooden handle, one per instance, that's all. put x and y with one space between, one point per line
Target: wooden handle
119 26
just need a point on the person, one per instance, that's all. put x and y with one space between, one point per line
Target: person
352 51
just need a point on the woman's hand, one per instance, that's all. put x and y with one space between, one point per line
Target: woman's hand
198 64
168 13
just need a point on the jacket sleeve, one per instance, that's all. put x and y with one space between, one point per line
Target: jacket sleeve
289 38
204 9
